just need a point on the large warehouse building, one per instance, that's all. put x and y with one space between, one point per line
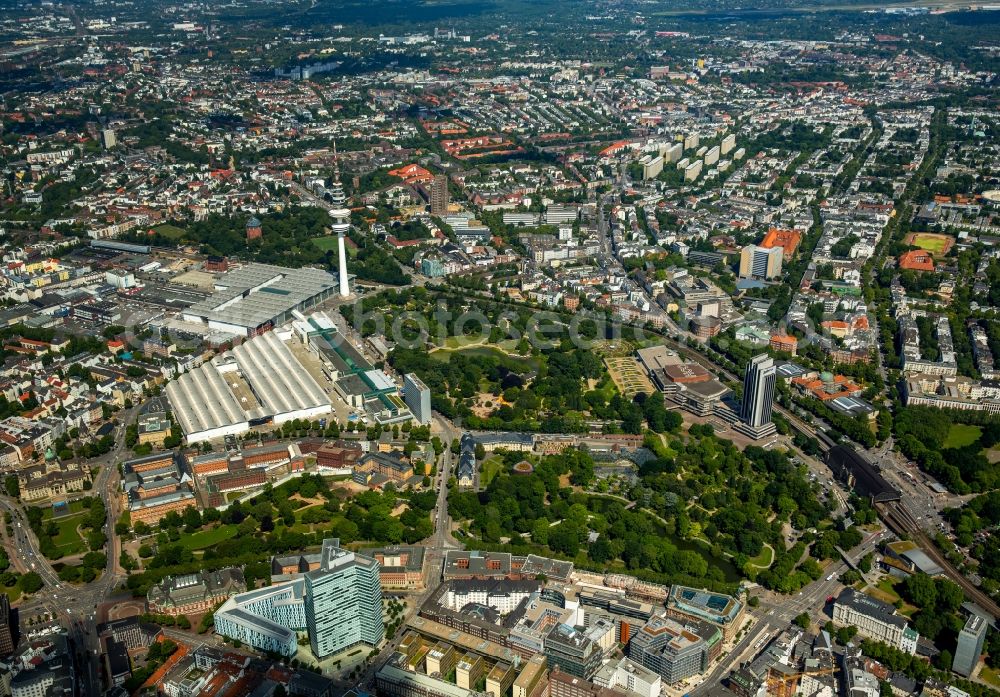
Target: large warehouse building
204 406
258 382
257 297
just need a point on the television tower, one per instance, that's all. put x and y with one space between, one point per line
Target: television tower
341 216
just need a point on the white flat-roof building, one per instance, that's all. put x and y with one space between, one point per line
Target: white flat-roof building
259 381
626 674
204 406
258 297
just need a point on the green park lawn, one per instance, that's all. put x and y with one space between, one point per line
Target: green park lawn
68 540
606 386
326 243
206 538
74 507
764 559
454 342
888 590
169 231
491 468
514 362
961 435
990 676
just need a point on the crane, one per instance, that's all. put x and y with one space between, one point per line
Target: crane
780 685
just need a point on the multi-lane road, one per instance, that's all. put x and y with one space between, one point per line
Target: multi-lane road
439 543
75 606
777 612
72 607
25 544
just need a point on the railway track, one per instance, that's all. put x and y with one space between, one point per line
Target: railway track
893 514
900 521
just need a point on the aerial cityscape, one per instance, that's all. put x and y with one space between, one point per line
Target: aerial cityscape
506 348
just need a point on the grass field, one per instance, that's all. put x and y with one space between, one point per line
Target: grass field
491 468
990 676
170 231
74 507
206 538
886 592
606 386
935 244
512 362
764 559
961 435
454 342
68 540
13 593
326 242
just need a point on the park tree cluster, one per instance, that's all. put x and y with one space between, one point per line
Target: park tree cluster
293 516
701 506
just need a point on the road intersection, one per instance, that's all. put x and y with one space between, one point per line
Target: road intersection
75 607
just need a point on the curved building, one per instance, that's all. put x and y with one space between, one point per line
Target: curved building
267 619
339 605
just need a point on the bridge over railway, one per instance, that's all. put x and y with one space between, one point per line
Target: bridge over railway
853 467
901 521
850 465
